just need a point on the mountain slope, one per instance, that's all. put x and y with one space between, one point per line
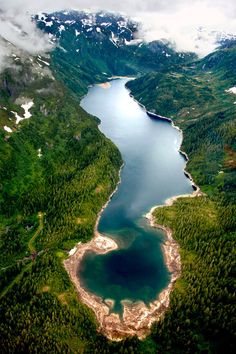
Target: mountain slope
93 47
57 170
199 102
198 98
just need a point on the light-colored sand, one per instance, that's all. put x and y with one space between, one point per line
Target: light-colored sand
105 85
137 317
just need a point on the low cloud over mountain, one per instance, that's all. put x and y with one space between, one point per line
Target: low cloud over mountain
189 27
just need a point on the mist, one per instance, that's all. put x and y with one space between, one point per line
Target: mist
178 22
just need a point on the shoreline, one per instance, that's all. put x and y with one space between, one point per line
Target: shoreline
137 317
170 121
105 85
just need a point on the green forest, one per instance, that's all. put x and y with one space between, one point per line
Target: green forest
57 170
202 315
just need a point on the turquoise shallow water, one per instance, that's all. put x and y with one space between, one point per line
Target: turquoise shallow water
153 172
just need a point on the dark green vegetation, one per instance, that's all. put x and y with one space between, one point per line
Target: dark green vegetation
92 49
78 169
201 316
197 101
125 60
48 204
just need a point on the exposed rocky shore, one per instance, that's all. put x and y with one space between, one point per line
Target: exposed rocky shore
137 317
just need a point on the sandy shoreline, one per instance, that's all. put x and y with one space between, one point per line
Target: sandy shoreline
137 317
105 85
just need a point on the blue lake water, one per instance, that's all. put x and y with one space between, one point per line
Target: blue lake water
153 172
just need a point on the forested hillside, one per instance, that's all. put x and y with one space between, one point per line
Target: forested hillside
57 170
198 99
93 47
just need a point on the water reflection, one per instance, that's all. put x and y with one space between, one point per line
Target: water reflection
153 171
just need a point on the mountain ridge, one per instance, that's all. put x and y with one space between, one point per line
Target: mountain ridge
57 157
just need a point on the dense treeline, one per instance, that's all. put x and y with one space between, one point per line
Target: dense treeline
56 164
198 102
67 186
202 314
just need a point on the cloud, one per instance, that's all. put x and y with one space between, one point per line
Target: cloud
178 21
5 52
22 32
18 31
192 27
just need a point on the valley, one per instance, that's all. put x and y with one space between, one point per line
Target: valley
58 170
152 172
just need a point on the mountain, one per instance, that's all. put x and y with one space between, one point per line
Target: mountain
52 156
200 98
57 170
196 95
93 47
222 62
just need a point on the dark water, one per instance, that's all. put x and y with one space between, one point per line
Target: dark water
153 171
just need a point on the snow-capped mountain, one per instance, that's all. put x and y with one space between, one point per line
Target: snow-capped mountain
218 38
119 29
95 46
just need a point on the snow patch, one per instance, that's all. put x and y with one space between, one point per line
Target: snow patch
41 16
114 39
231 90
63 49
40 153
121 24
87 21
72 251
77 33
61 28
105 24
43 61
9 130
26 107
133 42
49 24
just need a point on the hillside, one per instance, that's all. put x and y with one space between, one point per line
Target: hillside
199 98
48 203
93 47
57 170
198 101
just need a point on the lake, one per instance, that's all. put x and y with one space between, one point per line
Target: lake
152 172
